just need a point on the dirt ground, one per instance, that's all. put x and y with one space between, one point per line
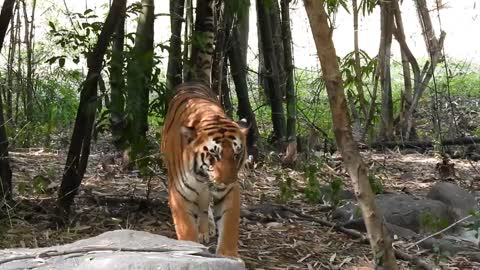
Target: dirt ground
271 238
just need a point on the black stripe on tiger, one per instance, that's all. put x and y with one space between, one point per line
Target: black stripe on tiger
219 200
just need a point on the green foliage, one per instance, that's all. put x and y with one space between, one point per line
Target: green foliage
475 225
268 4
332 193
310 91
476 132
40 184
237 8
432 223
77 40
333 5
463 78
287 188
367 6
55 108
312 191
158 88
440 255
375 183
347 64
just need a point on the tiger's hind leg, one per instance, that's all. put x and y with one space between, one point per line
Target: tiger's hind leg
183 213
227 215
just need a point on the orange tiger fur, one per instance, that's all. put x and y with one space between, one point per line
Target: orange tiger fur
203 151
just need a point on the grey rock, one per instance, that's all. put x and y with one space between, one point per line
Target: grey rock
401 210
460 201
170 255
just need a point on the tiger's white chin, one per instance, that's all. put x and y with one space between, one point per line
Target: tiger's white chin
202 179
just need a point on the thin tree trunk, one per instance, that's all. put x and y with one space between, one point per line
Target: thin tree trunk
273 77
237 56
277 36
219 62
372 105
291 153
386 29
377 232
5 172
357 65
139 74
263 96
407 85
11 59
225 96
201 60
117 84
19 87
187 48
14 36
29 30
174 67
80 142
220 46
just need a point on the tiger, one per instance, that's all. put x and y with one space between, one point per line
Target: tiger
203 150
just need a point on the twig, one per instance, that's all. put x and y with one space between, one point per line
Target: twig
312 124
439 232
398 253
413 259
326 223
54 253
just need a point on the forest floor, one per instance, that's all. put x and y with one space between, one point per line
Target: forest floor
272 237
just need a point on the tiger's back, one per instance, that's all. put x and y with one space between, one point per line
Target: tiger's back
203 151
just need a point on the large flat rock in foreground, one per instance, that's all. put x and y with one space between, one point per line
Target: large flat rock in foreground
121 249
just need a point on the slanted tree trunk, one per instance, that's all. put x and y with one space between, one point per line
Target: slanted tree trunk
5 172
386 29
406 99
273 75
291 153
174 66
139 72
237 56
80 143
117 84
377 232
29 31
421 78
434 47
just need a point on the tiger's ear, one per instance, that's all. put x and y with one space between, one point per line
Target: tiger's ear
244 126
188 133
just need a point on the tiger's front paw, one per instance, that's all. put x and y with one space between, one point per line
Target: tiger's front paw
207 229
212 227
203 238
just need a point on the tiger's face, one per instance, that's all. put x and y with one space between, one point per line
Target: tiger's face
216 156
